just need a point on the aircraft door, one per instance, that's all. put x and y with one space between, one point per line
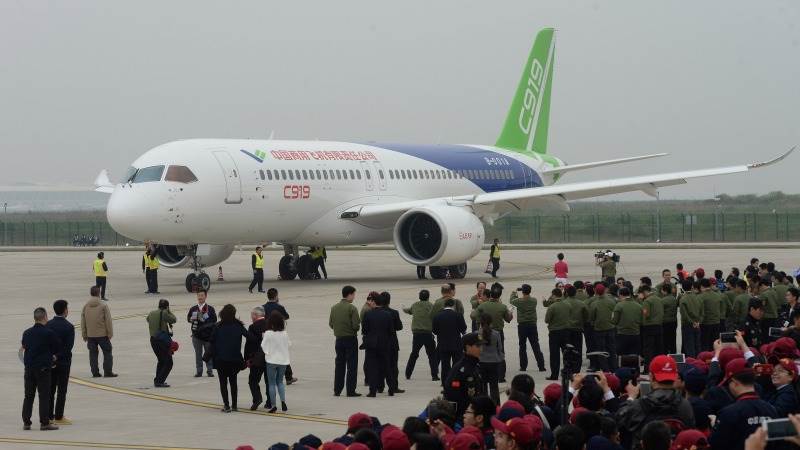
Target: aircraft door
233 179
381 175
367 176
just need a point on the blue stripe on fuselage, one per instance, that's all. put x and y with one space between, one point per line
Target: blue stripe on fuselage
462 157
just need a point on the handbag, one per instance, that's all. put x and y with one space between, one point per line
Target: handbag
488 267
163 336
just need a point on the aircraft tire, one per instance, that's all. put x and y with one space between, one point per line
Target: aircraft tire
458 271
287 267
190 281
438 272
203 281
305 267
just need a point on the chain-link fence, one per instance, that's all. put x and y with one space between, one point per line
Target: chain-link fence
520 228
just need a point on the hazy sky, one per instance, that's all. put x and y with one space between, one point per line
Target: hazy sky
87 85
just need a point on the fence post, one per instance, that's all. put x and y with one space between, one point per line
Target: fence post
722 217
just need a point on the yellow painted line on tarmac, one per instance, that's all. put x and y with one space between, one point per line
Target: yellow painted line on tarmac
83 444
199 404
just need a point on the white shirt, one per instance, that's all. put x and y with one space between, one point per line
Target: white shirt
276 347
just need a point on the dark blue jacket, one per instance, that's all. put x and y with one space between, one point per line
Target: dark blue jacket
226 342
40 345
701 410
448 326
275 306
377 326
65 332
784 400
739 420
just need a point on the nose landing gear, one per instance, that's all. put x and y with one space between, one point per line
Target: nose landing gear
198 279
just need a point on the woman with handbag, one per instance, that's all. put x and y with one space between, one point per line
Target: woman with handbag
276 353
226 350
160 323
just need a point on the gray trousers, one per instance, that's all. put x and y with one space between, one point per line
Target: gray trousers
201 348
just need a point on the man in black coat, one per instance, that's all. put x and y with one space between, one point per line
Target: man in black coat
394 348
378 326
448 326
254 356
65 332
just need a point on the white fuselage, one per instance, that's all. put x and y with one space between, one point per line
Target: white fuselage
295 191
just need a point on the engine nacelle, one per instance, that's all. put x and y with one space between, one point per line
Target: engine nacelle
438 235
177 256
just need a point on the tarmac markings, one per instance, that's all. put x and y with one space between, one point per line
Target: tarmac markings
93 444
199 404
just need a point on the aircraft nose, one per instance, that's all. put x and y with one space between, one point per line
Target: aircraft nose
123 214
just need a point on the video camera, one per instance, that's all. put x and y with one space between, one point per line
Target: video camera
607 254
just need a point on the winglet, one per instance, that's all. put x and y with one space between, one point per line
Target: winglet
756 165
102 183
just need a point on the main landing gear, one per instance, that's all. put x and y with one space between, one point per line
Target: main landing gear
198 279
443 272
293 265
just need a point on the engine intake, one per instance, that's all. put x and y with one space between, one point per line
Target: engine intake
177 256
441 236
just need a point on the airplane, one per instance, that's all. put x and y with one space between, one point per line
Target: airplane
198 198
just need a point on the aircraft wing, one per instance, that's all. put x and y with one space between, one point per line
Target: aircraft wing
519 199
591 165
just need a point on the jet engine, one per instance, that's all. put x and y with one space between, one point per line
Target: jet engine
438 235
177 256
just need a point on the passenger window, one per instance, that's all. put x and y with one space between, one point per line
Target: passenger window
291 175
311 174
319 177
358 174
338 174
325 174
260 172
352 175
150 174
391 174
269 175
380 174
297 174
283 174
439 174
403 173
305 175
344 174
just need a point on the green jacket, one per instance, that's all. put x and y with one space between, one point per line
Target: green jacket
670 304
608 269
550 300
780 292
557 316
711 307
160 320
740 305
497 310
652 311
526 308
421 321
770 304
578 314
657 289
729 297
473 301
601 312
438 306
627 317
344 319
691 309
581 295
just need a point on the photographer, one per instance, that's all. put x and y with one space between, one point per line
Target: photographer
160 323
607 261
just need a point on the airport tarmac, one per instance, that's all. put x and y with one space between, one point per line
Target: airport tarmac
127 412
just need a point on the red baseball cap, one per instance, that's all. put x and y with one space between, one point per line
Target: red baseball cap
552 392
599 289
785 347
705 356
689 439
357 446
735 367
699 365
476 433
394 439
575 413
464 441
727 355
663 368
332 446
613 382
518 428
789 366
358 421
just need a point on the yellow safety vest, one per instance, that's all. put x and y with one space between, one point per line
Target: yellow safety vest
98 268
153 263
318 253
259 261
496 252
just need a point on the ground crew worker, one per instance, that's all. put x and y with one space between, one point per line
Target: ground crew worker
526 327
709 326
319 255
627 317
345 323
159 322
500 315
146 270
494 257
652 325
669 326
600 313
476 300
557 319
100 274
422 330
447 292
691 309
464 381
578 316
153 265
257 263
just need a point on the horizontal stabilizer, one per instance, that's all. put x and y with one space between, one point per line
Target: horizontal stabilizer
592 165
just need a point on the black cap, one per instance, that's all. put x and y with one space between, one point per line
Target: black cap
755 302
470 339
525 288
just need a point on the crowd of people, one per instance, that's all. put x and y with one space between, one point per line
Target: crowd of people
736 370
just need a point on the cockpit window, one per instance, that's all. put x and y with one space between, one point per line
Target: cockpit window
182 174
146 174
130 174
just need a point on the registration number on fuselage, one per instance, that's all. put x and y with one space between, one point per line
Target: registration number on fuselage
296 192
496 161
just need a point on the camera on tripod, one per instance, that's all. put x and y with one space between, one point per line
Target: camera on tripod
610 254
